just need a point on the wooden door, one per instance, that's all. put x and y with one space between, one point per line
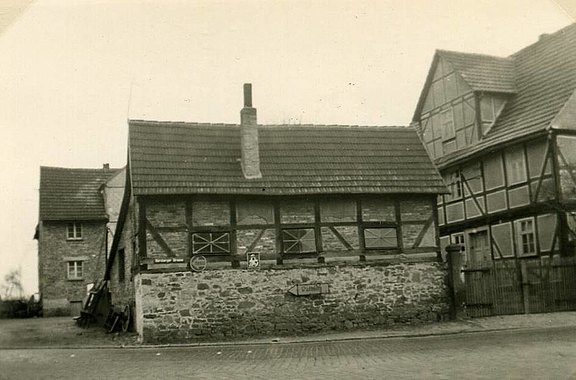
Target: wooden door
479 249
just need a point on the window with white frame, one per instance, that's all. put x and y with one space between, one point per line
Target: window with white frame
525 236
75 270
74 231
458 239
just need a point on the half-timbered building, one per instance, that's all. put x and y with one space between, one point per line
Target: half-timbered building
502 131
230 230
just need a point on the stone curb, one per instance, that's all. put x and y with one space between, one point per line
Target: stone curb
302 340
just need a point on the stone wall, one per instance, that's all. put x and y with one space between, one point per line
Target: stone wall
54 251
229 303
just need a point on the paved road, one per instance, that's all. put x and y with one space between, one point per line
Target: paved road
534 354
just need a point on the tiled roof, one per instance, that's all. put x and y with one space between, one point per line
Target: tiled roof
545 75
72 194
190 158
483 72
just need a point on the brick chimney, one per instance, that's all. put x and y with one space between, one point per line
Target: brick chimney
249 137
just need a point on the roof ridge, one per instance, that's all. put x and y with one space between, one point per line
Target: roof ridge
279 125
84 169
442 51
176 122
543 39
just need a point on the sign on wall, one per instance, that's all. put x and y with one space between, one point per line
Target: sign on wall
309 289
169 261
253 260
198 263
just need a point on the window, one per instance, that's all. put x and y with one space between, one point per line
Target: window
458 239
455 186
211 243
74 231
525 236
515 166
299 240
121 265
75 270
375 238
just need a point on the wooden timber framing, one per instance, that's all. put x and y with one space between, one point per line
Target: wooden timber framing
542 187
147 228
486 214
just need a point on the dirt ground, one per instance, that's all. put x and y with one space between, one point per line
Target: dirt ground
58 332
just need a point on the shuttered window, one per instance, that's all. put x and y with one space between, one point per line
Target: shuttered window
211 243
299 240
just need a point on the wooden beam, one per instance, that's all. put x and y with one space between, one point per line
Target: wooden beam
341 238
422 233
255 241
482 211
158 238
361 242
142 249
317 228
542 171
398 213
278 229
233 240
188 216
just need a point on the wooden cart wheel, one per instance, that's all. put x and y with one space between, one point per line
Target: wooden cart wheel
127 317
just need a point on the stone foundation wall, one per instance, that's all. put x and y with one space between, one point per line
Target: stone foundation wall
228 303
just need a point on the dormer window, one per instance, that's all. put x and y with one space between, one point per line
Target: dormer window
74 231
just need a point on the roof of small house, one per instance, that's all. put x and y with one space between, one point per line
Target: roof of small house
538 79
193 158
72 194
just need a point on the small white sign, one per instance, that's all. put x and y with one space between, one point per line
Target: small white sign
253 260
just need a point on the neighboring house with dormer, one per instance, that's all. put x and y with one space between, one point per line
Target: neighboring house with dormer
72 234
226 230
502 131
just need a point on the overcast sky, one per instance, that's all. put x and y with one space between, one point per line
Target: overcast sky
72 72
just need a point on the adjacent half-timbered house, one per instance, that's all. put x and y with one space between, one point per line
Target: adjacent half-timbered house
255 210
502 131
72 233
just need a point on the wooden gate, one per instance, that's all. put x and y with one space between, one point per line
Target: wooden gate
516 286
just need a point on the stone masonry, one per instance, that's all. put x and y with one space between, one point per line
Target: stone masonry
58 292
228 303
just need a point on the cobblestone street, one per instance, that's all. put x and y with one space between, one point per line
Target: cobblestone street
526 354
